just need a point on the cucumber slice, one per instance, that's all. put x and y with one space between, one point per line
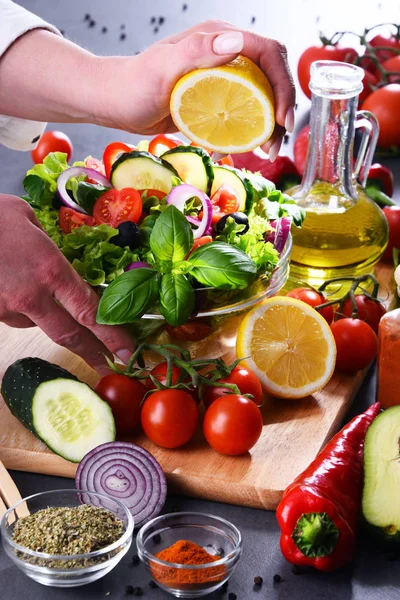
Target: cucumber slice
142 171
380 501
67 415
193 165
240 183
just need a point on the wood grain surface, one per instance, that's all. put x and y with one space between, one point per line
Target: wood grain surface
293 433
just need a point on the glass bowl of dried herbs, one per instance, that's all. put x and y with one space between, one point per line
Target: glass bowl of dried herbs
58 540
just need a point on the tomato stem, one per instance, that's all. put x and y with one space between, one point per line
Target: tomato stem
350 294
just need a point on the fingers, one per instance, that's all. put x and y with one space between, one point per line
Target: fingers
18 321
64 330
274 143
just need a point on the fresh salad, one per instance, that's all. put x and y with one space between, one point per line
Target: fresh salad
159 223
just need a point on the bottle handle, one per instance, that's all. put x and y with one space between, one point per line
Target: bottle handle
367 121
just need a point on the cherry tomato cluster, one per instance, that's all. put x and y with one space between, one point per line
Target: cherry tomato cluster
354 321
165 401
381 83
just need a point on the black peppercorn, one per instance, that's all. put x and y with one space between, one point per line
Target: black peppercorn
184 7
153 584
87 17
161 20
258 580
253 20
129 589
138 591
155 29
122 36
104 29
153 20
135 560
232 596
277 578
92 23
122 26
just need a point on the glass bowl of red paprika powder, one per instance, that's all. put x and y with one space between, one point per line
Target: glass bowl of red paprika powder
189 554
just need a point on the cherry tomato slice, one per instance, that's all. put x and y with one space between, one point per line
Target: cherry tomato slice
116 206
96 165
201 241
148 193
161 143
70 219
111 153
226 199
52 141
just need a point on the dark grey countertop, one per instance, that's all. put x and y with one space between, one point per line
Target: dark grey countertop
373 576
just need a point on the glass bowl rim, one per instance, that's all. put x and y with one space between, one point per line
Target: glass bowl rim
63 557
243 305
152 558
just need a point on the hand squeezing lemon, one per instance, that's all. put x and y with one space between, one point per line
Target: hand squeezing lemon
228 109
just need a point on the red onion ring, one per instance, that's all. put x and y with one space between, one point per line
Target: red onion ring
180 194
76 172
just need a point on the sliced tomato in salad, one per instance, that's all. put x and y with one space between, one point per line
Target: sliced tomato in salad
162 142
111 153
226 160
192 331
116 206
201 241
70 219
149 193
226 199
96 165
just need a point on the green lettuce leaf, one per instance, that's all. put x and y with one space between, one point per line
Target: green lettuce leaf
278 205
48 218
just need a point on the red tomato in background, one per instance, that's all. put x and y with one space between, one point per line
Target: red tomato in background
246 381
300 149
124 395
385 104
170 418
313 298
392 214
337 52
368 82
356 344
160 371
192 331
52 141
111 153
233 424
369 311
162 142
386 52
70 219
96 165
116 206
393 66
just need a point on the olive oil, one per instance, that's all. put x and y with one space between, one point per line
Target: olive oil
344 233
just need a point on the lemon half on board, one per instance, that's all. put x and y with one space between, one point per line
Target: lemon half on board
288 345
229 109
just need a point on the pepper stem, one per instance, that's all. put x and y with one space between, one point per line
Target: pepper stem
315 535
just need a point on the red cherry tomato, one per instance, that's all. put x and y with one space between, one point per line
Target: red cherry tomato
192 331
111 153
201 241
70 219
369 81
170 418
160 372
162 142
233 424
226 199
124 395
96 165
148 193
116 206
337 52
356 344
313 298
246 381
369 311
384 103
392 214
226 160
52 141
388 47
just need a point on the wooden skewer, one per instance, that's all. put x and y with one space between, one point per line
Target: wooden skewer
9 493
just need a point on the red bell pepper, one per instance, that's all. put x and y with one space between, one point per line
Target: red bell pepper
319 512
282 172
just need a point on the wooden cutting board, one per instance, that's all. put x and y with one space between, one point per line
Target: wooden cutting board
293 433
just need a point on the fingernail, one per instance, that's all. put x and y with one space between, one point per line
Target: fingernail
124 355
228 43
274 150
289 120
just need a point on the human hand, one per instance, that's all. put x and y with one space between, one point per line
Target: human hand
39 287
139 87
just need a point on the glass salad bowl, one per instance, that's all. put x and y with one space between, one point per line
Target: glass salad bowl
211 332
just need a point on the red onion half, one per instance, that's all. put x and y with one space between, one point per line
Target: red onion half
76 172
278 237
180 194
137 265
126 472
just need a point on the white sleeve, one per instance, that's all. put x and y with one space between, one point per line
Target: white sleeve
18 134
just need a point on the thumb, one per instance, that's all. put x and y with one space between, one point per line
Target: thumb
203 50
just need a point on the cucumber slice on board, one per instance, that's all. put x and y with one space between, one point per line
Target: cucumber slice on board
380 500
238 181
67 415
194 166
142 171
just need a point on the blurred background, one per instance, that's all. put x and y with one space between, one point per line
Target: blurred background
129 26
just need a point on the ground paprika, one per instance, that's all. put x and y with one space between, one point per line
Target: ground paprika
184 552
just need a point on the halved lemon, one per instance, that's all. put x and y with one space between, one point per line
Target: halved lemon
229 109
288 345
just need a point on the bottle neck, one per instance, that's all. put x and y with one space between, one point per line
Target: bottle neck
330 145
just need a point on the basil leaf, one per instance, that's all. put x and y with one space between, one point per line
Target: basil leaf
222 266
128 297
86 194
177 299
146 227
172 236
